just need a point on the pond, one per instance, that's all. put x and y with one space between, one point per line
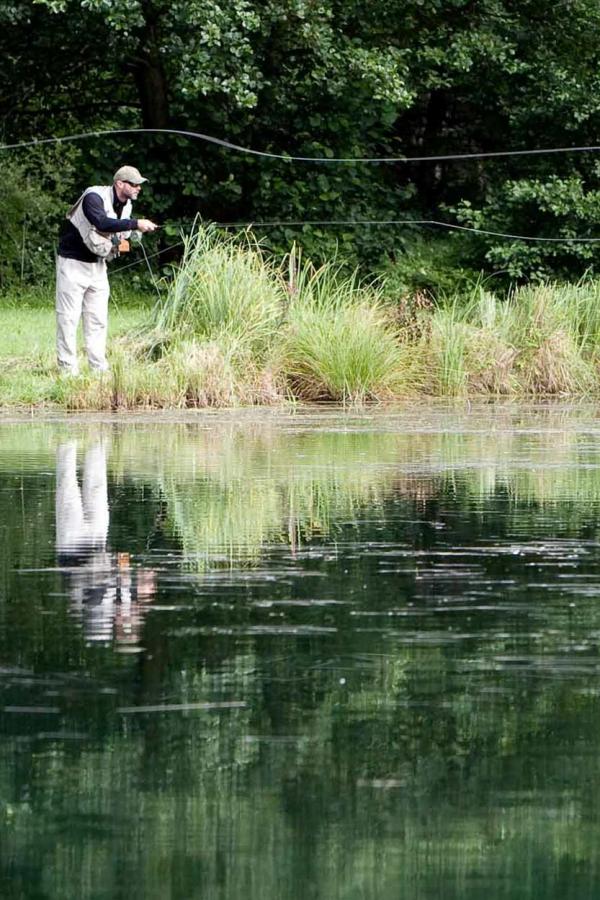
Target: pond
319 654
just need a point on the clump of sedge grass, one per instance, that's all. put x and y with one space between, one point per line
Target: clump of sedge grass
213 374
541 340
555 334
190 375
468 353
232 329
339 342
447 346
224 290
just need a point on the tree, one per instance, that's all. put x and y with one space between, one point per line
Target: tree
363 78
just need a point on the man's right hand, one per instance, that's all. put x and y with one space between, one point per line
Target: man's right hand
145 225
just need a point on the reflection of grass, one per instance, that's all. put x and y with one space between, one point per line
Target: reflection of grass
231 487
249 493
236 489
218 524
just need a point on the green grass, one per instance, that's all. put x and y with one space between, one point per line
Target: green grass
28 371
28 332
231 328
349 354
225 291
41 296
340 341
542 340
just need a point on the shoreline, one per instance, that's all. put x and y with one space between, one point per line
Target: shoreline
231 334
307 413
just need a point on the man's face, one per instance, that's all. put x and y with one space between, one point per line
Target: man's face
127 191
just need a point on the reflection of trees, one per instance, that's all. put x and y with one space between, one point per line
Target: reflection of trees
451 756
373 783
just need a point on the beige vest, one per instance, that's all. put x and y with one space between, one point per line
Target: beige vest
99 242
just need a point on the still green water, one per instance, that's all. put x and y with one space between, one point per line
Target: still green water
319 655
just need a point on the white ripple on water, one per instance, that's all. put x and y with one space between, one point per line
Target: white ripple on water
181 707
420 638
382 784
542 665
61 736
267 604
438 572
253 629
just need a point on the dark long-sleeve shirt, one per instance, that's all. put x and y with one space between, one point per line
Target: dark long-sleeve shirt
71 244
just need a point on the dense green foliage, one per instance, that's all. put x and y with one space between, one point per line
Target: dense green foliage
313 78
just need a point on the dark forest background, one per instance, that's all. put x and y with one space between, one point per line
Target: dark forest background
324 78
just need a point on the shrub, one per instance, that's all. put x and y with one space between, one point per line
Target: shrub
437 266
339 343
35 194
223 290
555 207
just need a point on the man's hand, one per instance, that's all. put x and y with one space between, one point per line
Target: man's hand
145 225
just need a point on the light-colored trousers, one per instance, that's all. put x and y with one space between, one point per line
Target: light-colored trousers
82 514
82 520
81 288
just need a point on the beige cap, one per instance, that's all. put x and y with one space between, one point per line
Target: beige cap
129 173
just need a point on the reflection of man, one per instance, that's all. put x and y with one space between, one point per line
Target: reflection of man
81 515
102 590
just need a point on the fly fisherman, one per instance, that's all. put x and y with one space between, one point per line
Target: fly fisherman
97 227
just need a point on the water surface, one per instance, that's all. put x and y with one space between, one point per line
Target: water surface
323 654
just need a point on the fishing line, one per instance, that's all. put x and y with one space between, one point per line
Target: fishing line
364 222
148 256
237 148
314 159
434 222
156 287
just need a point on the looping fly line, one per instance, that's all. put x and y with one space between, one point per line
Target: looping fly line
376 223
383 222
228 145
315 159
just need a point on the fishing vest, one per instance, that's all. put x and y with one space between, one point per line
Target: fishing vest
100 243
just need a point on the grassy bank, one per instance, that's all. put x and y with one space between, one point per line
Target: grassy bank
232 328
28 372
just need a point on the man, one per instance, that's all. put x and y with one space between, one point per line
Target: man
95 226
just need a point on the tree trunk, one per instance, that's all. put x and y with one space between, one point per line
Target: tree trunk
151 83
149 73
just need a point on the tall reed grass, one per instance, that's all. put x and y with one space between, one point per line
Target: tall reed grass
224 290
233 328
542 340
314 333
339 341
